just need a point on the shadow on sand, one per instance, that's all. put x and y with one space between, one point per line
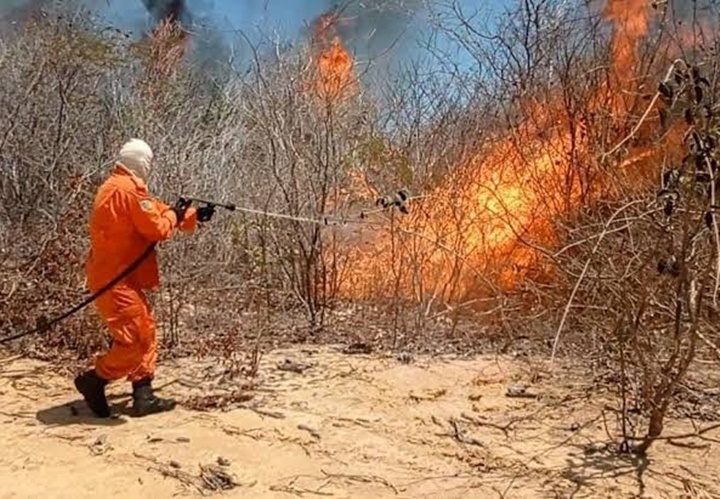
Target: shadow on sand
77 413
597 467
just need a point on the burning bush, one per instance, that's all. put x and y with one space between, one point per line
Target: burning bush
332 77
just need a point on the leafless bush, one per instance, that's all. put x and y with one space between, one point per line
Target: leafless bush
51 146
506 161
652 266
266 140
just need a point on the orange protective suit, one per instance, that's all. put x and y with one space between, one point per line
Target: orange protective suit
124 222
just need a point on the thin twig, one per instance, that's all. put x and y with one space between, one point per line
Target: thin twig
582 276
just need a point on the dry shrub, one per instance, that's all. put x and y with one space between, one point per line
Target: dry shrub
75 93
654 275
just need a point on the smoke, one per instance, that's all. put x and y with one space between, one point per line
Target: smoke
694 9
171 10
369 27
15 11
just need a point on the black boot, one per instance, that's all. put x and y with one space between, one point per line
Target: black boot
145 402
92 388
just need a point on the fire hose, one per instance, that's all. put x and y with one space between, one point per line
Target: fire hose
42 324
204 214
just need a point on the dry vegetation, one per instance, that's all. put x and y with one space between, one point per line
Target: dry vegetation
563 194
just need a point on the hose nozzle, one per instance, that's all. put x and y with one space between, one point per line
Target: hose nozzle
227 206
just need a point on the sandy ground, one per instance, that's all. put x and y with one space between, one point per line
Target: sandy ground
348 426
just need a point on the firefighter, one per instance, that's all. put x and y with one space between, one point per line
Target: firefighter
125 221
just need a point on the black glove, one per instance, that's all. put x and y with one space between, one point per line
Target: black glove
180 208
205 213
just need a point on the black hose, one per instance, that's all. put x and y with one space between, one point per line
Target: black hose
43 326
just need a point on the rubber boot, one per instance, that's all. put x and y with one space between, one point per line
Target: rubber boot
145 402
92 388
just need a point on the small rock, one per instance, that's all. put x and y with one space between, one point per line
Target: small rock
293 366
516 390
575 427
175 464
100 445
519 391
183 440
223 461
154 440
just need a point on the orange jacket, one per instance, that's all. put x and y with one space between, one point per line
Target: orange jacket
125 220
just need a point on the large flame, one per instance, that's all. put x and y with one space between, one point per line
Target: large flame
483 226
477 226
334 74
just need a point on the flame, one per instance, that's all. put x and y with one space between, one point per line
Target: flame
483 217
480 229
334 76
168 46
163 53
631 23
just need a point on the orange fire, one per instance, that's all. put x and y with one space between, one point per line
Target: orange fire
631 21
168 46
478 224
334 76
482 227
162 53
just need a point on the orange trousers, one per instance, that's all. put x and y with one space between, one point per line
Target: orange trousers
133 354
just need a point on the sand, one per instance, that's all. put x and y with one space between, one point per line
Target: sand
347 426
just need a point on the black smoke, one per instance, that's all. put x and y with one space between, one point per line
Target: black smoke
171 10
370 29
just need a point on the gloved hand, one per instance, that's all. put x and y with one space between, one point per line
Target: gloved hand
205 213
180 208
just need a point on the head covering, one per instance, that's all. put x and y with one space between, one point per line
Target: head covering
137 157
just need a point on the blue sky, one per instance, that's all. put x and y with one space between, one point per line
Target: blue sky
284 19
287 16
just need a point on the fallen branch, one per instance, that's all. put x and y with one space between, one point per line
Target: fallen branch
263 412
312 432
459 435
362 479
229 430
168 470
216 479
696 433
211 478
290 487
218 401
503 428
